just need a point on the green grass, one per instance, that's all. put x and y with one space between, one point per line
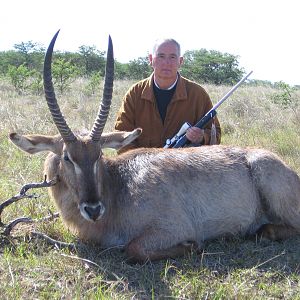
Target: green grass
227 269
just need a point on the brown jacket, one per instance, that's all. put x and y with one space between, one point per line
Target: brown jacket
190 103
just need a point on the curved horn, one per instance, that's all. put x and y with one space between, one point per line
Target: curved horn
57 116
107 95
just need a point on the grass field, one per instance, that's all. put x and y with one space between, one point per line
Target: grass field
227 269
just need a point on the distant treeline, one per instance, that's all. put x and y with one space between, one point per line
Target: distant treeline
26 61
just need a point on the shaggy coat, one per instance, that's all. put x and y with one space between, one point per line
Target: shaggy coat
159 203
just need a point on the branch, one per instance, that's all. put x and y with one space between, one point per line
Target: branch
92 263
22 194
9 227
53 242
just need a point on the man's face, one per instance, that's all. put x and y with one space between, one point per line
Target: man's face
166 61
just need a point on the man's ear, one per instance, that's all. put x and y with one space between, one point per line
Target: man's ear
180 61
119 139
150 58
37 143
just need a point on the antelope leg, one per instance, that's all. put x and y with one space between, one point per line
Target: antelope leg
153 245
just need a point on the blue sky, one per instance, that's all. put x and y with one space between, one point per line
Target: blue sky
263 33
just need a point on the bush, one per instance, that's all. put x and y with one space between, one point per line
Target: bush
285 95
64 73
20 77
93 83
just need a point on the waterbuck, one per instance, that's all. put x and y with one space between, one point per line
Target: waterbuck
159 203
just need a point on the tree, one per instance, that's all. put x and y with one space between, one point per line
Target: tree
9 58
20 77
94 83
91 60
285 96
139 68
211 67
121 70
31 53
199 65
63 73
36 85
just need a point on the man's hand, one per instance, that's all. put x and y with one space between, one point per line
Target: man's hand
195 135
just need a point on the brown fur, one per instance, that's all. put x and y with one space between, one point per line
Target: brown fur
160 203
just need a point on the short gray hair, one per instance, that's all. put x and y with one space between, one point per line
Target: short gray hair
164 41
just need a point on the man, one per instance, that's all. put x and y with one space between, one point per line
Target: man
161 103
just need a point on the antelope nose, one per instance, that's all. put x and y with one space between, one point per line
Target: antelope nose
93 211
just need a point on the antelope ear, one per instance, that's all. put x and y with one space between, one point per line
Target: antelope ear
37 143
119 139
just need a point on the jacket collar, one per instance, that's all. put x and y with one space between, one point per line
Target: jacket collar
180 92
170 87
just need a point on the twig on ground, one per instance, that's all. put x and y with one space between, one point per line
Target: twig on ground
268 260
53 242
89 262
9 227
11 273
22 194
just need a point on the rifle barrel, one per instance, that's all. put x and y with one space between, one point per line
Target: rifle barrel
208 116
231 91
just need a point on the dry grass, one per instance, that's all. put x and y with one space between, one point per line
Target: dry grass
227 269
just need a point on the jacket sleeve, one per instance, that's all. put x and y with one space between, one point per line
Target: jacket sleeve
126 118
208 132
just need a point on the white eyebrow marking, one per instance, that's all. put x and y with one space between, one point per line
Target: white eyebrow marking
76 167
95 167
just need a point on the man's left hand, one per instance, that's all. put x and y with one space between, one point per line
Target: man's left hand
195 135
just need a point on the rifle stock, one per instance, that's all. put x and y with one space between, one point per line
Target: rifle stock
182 141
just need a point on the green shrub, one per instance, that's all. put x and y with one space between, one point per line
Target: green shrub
20 77
94 83
64 73
285 95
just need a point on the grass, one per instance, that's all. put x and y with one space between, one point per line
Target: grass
233 268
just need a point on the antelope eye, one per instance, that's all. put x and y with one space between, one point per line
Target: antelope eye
66 157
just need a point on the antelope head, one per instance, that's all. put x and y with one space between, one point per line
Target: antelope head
80 158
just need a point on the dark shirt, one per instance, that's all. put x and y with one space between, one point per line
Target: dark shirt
163 98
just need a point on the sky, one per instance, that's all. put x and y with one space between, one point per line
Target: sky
264 34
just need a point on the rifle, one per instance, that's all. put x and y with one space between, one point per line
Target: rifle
180 139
